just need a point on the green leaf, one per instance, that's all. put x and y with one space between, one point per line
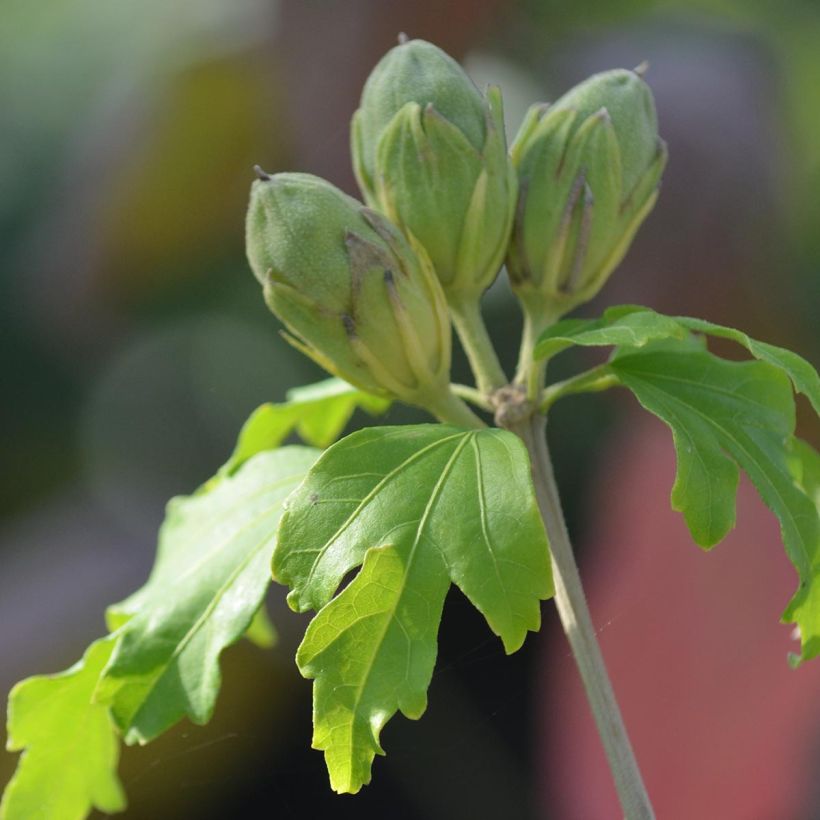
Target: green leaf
626 325
631 326
206 587
69 762
804 465
317 412
724 415
803 375
421 507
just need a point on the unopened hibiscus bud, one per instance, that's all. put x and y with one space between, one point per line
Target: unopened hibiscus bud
354 295
429 151
588 168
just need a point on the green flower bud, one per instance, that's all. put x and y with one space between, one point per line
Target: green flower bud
588 169
429 151
351 290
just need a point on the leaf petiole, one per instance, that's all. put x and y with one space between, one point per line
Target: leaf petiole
590 381
472 395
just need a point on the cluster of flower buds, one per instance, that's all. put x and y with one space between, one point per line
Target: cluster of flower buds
364 291
589 168
354 295
429 151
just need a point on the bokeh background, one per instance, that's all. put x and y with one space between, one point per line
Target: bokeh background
135 342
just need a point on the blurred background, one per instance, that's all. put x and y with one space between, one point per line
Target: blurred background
135 342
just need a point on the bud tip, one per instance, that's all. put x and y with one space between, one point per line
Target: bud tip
641 68
403 38
261 174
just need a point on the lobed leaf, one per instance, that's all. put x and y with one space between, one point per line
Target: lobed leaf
420 507
317 412
804 377
631 326
206 588
724 415
70 747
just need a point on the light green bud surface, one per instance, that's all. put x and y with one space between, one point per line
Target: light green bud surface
588 168
349 287
429 152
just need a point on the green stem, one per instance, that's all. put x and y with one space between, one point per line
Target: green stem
477 345
591 381
472 395
577 623
450 409
529 372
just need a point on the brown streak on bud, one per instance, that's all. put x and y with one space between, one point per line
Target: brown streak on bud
392 291
349 326
376 221
353 244
520 208
382 227
580 251
565 225
572 200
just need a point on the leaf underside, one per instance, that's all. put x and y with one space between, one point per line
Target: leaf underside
206 589
317 412
420 507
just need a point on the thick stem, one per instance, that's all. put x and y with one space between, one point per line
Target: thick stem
577 623
477 345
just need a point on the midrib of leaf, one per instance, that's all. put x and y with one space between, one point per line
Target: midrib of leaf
434 495
759 470
655 376
202 619
162 670
386 479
